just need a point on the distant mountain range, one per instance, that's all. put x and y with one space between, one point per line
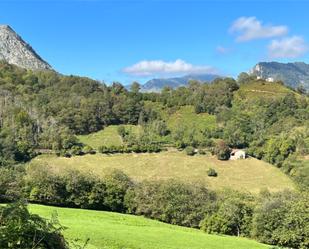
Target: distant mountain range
156 85
292 74
14 50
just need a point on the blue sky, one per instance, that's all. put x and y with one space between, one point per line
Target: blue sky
137 40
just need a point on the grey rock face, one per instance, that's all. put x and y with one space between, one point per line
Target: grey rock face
14 50
292 74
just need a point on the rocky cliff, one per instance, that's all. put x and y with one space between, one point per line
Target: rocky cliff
14 50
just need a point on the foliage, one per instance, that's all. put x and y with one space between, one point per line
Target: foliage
21 229
212 172
232 215
190 151
222 150
283 220
171 202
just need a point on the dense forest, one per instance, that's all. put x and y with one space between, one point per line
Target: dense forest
45 111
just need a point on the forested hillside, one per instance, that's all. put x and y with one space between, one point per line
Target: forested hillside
43 112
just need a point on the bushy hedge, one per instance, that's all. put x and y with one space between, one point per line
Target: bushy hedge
75 189
151 148
170 201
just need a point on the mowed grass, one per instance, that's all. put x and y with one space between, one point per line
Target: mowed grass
120 231
109 136
246 175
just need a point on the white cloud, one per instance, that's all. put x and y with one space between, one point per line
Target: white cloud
222 50
159 67
250 28
289 47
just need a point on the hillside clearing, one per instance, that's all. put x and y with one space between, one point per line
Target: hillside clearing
263 90
185 117
108 230
246 175
108 137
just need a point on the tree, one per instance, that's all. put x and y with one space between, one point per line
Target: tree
283 220
135 87
222 150
171 201
244 78
21 230
233 215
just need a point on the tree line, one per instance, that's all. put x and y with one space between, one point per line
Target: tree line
280 218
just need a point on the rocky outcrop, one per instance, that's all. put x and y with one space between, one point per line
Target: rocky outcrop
292 74
14 50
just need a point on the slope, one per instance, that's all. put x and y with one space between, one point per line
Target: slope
119 231
246 175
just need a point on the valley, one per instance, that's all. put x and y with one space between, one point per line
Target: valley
188 160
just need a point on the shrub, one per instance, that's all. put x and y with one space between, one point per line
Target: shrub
202 152
207 142
11 183
21 229
190 151
76 150
121 131
103 149
117 184
42 186
232 216
88 150
212 173
137 148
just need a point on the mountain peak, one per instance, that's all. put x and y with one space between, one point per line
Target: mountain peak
293 74
14 50
5 26
157 84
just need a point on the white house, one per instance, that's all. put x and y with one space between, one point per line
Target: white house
237 154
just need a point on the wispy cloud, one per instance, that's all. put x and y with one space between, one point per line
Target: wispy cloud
250 28
289 47
222 50
159 67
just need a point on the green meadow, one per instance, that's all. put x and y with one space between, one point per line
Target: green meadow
107 230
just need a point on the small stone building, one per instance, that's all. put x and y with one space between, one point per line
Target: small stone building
237 154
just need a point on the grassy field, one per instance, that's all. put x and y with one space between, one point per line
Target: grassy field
187 117
262 90
249 174
109 136
108 230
